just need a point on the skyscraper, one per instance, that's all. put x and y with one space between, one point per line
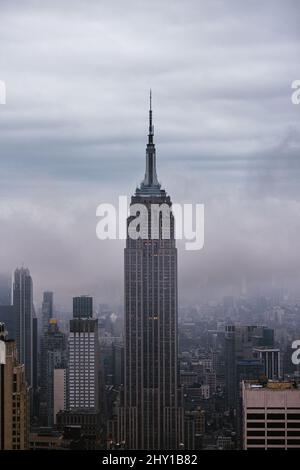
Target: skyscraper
47 309
54 356
83 357
240 341
83 375
23 311
151 417
34 409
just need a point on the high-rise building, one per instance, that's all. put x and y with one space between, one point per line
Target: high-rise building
14 397
240 340
118 363
83 377
54 356
83 407
47 309
34 408
271 415
23 310
151 417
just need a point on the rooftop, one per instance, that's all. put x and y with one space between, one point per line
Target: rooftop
271 385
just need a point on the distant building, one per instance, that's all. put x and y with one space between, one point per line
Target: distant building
8 317
88 421
5 290
271 360
22 326
194 395
188 378
271 415
248 369
23 309
59 391
205 392
118 364
47 309
14 397
240 340
210 379
194 429
225 443
53 356
45 439
83 306
72 437
35 396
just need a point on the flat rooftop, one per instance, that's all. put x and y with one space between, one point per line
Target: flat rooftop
271 385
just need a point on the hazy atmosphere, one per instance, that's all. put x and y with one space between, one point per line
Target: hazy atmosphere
74 129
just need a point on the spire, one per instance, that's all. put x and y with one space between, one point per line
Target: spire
151 128
150 183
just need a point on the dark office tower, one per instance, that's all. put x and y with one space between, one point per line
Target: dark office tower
54 356
238 347
118 364
23 308
35 352
267 339
151 417
240 360
35 365
47 309
83 306
5 289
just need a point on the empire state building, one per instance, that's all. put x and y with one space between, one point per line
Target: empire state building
151 416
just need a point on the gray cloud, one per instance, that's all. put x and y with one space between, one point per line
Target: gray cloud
73 134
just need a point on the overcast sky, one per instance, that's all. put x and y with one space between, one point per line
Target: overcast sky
73 134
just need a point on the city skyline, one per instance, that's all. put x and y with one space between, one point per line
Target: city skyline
228 132
149 228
